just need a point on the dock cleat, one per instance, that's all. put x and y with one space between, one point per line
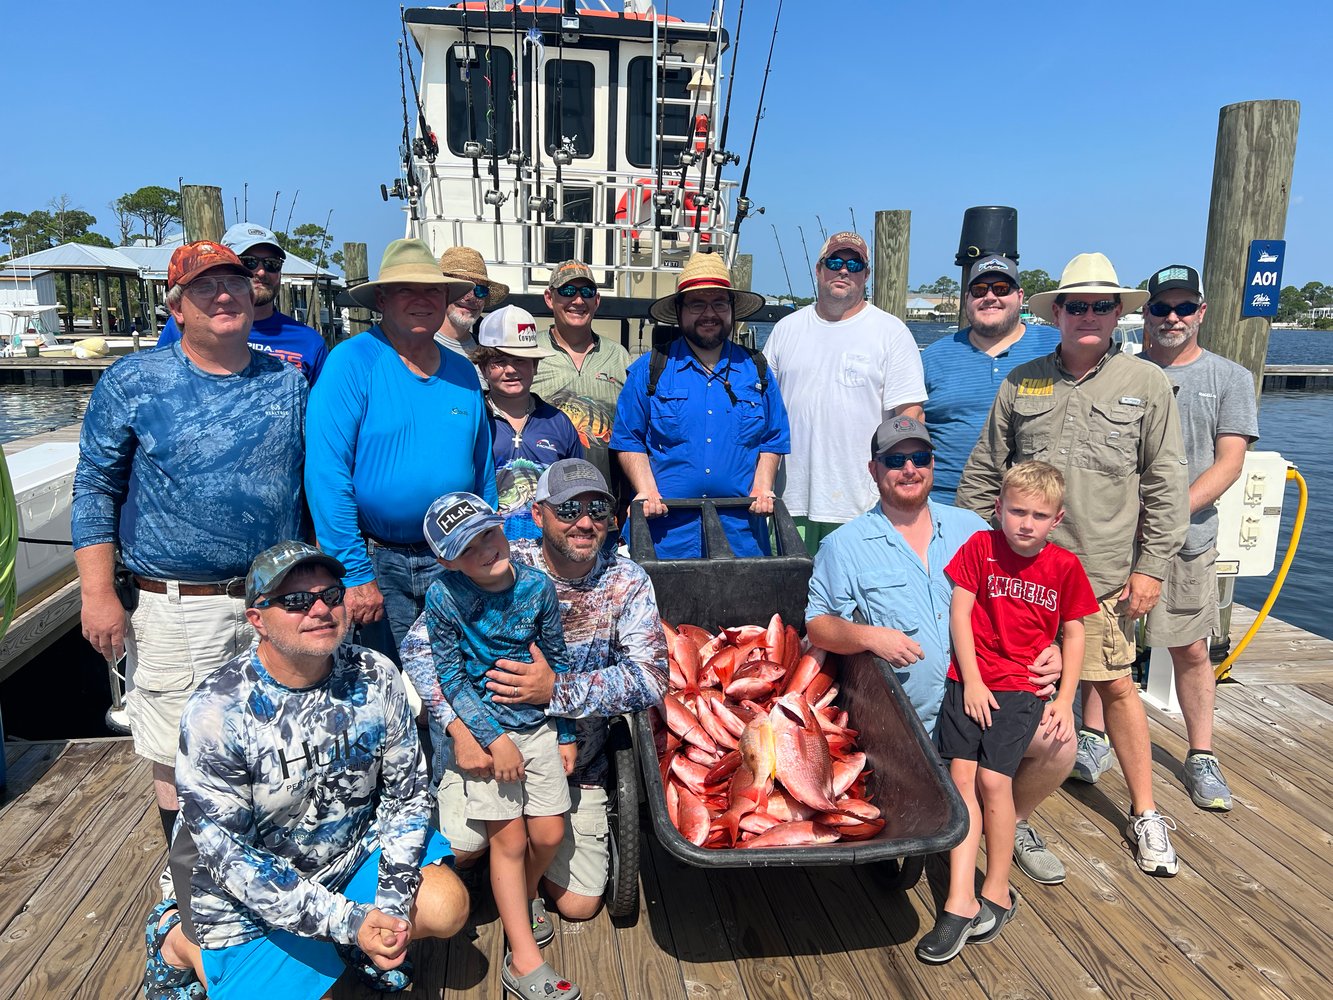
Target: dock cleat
1204 782
1093 758
1151 834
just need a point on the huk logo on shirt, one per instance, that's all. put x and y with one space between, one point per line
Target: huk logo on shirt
451 517
337 750
1021 590
1036 387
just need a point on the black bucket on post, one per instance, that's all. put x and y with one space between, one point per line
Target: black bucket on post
988 229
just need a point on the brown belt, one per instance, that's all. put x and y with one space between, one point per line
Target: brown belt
234 587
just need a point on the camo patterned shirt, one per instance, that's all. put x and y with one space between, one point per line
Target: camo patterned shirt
286 792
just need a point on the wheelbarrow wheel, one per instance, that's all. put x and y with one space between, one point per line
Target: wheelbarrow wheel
902 873
622 806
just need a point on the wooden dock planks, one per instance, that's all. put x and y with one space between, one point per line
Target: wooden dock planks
1249 917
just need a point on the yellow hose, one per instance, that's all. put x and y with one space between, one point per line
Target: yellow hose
9 547
1224 668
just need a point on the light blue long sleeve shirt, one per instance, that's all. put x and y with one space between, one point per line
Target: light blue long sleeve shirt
383 442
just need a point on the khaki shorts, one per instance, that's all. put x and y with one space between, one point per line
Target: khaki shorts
172 644
544 790
583 858
1187 611
1108 642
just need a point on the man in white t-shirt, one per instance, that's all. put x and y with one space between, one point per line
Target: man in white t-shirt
843 366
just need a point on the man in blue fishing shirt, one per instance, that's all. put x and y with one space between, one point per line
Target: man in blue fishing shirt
273 332
705 420
395 421
189 466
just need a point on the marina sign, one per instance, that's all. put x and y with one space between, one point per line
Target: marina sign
1263 278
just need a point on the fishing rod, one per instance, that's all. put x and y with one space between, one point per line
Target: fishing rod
852 212
274 212
470 147
534 36
288 227
743 203
808 267
405 150
660 196
494 196
427 145
823 233
700 196
791 292
720 155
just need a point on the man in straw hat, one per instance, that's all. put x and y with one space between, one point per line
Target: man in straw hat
189 467
843 366
457 331
1108 421
528 433
702 418
395 421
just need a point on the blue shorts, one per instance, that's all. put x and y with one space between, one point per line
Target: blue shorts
281 964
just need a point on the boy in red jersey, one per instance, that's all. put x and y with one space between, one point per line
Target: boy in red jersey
1013 592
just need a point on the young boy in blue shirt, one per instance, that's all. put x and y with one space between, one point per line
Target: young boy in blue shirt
487 608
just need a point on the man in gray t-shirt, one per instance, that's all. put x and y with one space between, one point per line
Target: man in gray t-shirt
1215 398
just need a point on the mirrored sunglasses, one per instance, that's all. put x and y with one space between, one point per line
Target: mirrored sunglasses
896 461
569 511
1183 310
269 264
303 600
582 291
1101 307
480 291
978 289
854 265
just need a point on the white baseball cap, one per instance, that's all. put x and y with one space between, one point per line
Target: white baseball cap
512 330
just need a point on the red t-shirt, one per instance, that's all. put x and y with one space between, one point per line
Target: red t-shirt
1021 603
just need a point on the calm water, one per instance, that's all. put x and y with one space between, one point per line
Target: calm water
1293 423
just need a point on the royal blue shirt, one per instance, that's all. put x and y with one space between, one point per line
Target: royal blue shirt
383 442
961 383
192 474
867 566
702 441
521 458
279 335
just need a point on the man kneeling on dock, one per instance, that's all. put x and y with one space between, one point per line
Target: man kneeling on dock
304 846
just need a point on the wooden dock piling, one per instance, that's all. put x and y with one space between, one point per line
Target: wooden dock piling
201 212
893 232
355 271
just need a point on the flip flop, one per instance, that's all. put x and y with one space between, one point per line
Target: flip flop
542 982
1002 916
543 932
162 981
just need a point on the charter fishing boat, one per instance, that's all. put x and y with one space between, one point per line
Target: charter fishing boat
536 134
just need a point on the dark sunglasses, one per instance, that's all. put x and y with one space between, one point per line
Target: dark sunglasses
303 600
1101 307
269 264
854 265
569 511
582 291
480 292
896 461
978 289
1184 310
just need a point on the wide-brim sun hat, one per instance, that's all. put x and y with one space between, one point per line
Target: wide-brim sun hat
409 261
1087 274
705 270
467 264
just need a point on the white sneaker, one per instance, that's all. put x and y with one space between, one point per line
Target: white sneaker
1150 833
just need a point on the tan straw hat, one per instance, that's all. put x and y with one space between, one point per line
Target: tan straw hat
409 261
1087 274
705 270
466 263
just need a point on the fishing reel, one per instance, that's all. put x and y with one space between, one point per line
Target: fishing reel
541 206
495 197
399 190
426 147
721 158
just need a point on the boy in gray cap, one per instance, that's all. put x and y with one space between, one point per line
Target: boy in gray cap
488 608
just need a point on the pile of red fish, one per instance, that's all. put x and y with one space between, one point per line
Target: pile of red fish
754 752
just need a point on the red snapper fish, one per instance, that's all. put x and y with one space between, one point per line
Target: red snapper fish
801 753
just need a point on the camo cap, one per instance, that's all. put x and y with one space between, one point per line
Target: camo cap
193 259
272 565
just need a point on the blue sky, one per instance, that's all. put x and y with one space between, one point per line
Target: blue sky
1096 121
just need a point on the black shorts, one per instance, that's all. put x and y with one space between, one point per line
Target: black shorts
999 748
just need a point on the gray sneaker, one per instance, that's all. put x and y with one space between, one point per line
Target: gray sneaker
1156 856
1034 859
1204 782
1093 758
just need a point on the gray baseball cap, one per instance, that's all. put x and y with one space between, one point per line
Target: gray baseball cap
993 263
569 478
897 429
272 565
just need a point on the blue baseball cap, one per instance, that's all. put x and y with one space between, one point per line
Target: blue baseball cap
454 520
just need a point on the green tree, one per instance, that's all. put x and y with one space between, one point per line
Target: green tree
1316 293
156 207
1035 281
310 242
41 230
1291 305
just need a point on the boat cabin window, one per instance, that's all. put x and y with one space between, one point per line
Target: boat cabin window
564 242
642 117
570 117
474 114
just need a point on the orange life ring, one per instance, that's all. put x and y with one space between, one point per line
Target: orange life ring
693 208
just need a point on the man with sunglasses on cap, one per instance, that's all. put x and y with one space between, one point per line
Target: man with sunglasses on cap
617 663
843 366
963 372
1215 397
395 421
272 332
305 845
1108 421
189 466
584 375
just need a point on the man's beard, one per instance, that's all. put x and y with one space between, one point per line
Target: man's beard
563 545
303 645
1171 340
707 342
995 325
264 295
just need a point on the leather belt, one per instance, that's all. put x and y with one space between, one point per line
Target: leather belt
413 547
235 587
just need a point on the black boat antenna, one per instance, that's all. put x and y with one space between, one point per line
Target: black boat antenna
722 157
809 269
791 292
703 154
492 132
742 203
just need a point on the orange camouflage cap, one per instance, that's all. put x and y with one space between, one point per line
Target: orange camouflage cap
193 259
